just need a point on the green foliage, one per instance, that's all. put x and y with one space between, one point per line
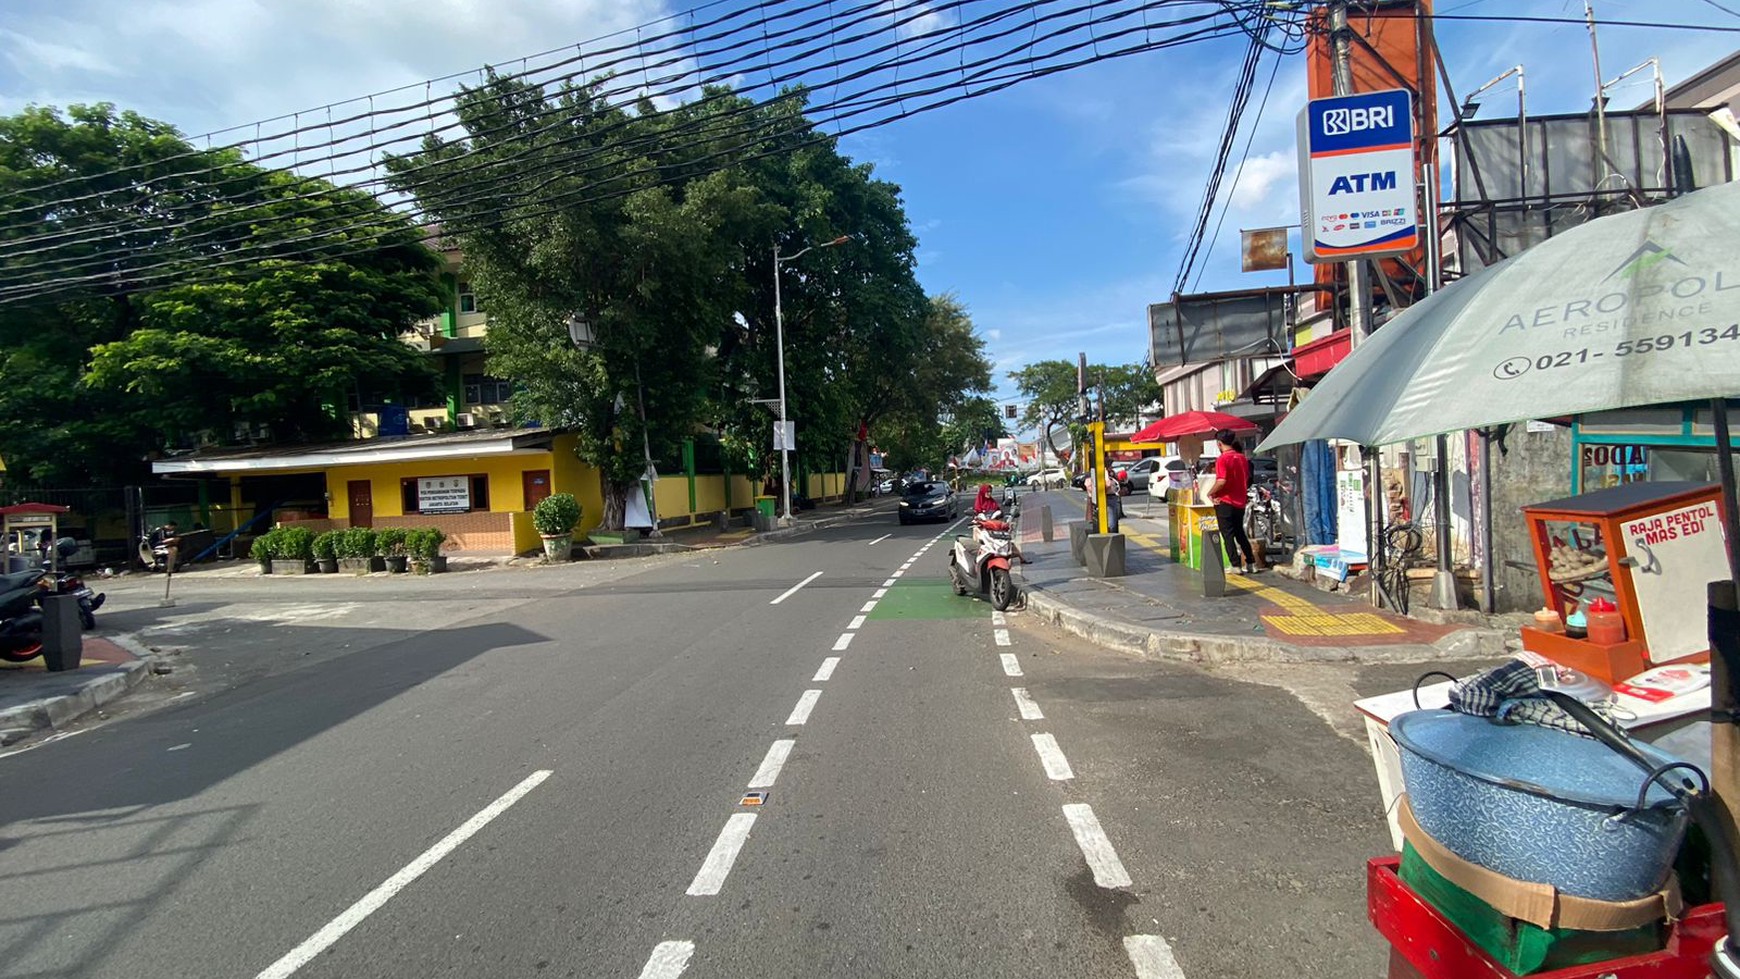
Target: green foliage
556 514
98 378
1049 389
391 541
326 546
674 272
261 549
292 543
356 542
424 543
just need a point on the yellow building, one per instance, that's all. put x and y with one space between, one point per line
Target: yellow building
453 462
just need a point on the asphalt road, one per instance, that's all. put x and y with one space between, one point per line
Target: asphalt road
533 773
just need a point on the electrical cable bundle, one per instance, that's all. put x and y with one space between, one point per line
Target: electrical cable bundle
858 66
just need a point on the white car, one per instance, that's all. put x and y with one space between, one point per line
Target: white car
1048 479
1178 476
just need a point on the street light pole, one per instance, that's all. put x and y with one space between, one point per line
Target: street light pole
779 340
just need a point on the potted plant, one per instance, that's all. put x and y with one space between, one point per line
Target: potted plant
556 516
326 552
356 550
292 550
261 551
390 544
425 546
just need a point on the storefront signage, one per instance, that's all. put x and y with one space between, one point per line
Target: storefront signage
1356 176
1612 465
1350 515
444 494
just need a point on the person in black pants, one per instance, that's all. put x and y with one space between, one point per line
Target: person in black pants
1230 493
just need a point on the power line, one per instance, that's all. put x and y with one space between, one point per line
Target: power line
325 247
856 104
1239 171
20 247
1229 132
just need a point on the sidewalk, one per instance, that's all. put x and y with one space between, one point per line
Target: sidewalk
31 698
1158 610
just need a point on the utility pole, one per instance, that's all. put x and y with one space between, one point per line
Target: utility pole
1358 288
1359 307
1600 89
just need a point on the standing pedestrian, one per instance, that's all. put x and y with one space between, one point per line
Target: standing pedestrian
1230 494
1114 503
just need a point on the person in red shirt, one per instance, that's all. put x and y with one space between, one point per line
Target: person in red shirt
1230 493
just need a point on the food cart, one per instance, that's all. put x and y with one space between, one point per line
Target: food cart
22 526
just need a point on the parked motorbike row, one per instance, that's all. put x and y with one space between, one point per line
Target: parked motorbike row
21 594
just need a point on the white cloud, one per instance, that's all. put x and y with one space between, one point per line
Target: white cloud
916 17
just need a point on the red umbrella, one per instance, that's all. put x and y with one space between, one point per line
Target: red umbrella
1192 423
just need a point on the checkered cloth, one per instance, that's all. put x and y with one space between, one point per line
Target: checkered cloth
1511 694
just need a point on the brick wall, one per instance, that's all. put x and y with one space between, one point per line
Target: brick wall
465 531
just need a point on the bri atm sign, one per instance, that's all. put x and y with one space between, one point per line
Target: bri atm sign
1356 176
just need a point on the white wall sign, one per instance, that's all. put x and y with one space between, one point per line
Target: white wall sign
444 494
1350 515
1356 176
1678 553
785 436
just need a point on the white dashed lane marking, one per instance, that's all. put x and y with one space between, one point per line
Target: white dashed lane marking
827 671
1152 957
1096 847
1051 756
768 773
801 713
845 640
1024 703
668 960
724 853
1011 665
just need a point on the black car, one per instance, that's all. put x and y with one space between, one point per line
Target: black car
929 499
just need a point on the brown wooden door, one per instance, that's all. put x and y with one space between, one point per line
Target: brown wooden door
536 484
362 503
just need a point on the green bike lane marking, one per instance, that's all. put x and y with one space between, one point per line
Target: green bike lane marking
926 599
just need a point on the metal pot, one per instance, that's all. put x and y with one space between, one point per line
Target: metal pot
1540 805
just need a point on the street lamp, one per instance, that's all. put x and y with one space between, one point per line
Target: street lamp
584 336
779 336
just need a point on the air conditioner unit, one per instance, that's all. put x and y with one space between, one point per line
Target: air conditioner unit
465 419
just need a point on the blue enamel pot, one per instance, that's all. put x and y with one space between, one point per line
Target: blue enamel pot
1540 805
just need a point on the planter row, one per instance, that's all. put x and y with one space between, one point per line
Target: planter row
359 565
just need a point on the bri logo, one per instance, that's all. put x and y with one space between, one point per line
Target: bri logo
1341 122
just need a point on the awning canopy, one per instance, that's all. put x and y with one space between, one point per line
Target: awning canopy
463 445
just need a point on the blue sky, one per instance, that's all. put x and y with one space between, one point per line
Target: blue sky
1057 210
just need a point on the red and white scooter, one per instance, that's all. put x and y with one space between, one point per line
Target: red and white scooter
980 563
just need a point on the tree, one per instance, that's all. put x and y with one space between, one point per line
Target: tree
567 204
111 370
1050 389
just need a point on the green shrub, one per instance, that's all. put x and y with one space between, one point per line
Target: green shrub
293 543
261 549
424 543
556 515
390 541
326 546
357 542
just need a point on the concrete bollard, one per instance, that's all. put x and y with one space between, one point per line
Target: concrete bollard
63 639
1045 529
1078 535
1105 555
1213 570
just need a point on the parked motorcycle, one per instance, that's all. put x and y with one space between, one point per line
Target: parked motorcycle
20 616
1263 519
980 563
68 583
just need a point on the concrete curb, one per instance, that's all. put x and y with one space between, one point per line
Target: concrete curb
822 524
58 711
1187 647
